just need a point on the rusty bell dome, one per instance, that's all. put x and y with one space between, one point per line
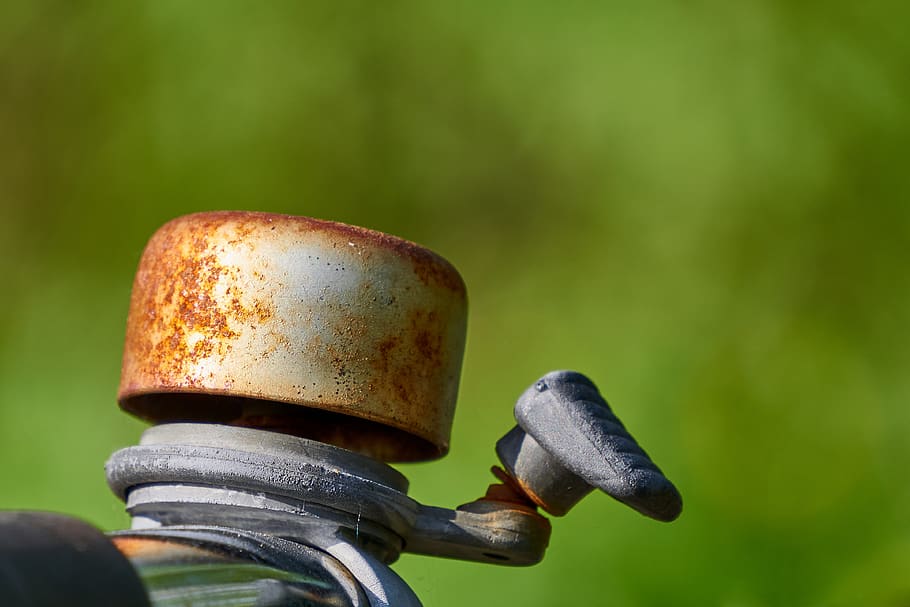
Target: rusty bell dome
302 326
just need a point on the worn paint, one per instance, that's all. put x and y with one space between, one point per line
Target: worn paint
311 313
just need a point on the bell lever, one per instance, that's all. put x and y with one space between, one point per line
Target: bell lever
568 442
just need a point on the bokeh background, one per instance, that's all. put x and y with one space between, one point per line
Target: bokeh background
702 205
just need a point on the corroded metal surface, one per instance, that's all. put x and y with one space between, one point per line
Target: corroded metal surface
282 322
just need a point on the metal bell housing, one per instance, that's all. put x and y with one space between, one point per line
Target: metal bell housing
314 328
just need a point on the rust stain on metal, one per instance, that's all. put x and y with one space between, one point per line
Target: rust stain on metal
508 491
179 321
526 489
513 489
151 550
301 311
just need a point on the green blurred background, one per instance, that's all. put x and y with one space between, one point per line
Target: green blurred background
702 205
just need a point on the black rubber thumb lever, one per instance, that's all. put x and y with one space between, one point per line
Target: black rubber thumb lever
570 441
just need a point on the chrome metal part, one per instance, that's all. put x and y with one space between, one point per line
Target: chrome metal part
258 480
190 474
569 441
213 563
383 587
163 505
308 327
347 572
